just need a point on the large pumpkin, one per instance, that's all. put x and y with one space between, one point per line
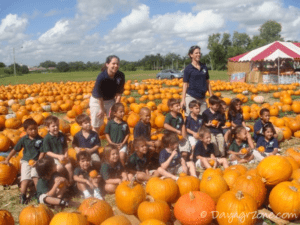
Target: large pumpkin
293 162
95 210
293 153
133 119
4 143
159 120
8 174
116 220
152 222
274 169
69 218
211 171
187 184
164 189
128 196
32 215
284 200
190 207
154 209
6 218
230 177
259 99
236 208
13 123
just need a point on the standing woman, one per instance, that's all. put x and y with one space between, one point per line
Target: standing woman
195 81
107 91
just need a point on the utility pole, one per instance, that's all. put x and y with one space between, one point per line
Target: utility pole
14 62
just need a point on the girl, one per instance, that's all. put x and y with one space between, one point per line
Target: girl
204 152
112 171
117 131
235 116
267 143
239 151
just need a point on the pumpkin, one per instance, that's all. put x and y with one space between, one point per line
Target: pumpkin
133 119
154 209
261 149
152 222
116 220
69 218
284 200
190 207
293 153
95 210
214 186
236 207
93 174
64 126
6 218
13 123
128 196
230 176
287 133
274 169
293 162
15 161
187 184
164 189
295 174
279 132
74 128
159 120
40 214
8 174
211 171
4 143
259 99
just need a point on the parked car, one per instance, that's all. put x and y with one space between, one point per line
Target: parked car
169 74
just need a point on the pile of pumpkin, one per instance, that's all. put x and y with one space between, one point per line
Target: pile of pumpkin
232 196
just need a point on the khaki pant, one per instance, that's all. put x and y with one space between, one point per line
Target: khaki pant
27 172
189 98
218 142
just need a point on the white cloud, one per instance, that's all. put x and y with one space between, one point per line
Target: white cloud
52 12
12 28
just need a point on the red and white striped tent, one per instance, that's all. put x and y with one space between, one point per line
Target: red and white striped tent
271 52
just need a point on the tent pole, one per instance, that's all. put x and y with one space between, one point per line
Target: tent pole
278 69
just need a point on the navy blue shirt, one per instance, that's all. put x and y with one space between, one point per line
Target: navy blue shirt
197 80
91 141
164 155
237 119
257 127
269 145
201 151
209 116
192 124
106 87
142 130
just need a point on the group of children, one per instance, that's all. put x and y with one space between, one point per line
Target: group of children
205 142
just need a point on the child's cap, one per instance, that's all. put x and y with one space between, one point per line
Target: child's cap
184 146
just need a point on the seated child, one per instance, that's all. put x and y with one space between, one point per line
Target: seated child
117 131
258 126
55 145
32 143
112 170
212 119
51 187
239 151
87 139
170 159
226 129
84 182
174 122
268 142
204 152
143 129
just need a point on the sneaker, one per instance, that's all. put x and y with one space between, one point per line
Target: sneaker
234 162
97 194
23 200
252 161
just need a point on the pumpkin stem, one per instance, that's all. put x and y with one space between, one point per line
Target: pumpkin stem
150 198
264 180
94 201
293 188
209 178
249 177
239 195
132 182
192 196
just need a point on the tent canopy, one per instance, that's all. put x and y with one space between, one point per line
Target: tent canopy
270 52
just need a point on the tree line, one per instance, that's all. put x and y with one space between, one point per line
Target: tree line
220 46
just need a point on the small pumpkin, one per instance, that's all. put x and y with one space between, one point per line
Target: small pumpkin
93 174
187 184
69 218
4 143
8 174
259 99
40 214
214 186
211 171
119 220
230 177
6 218
152 222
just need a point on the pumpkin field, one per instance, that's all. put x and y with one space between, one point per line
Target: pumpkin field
260 193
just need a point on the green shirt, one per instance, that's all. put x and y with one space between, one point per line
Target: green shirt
138 164
55 144
176 122
32 148
236 148
108 172
117 131
43 186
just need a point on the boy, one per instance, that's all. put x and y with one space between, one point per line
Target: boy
212 119
258 126
32 143
170 159
51 187
204 152
55 145
87 139
174 122
84 182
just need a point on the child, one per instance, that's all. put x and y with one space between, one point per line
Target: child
87 139
171 160
55 145
264 119
174 122
32 143
204 151
51 187
235 116
117 131
268 141
84 182
212 119
112 171
193 123
143 129
240 144
226 129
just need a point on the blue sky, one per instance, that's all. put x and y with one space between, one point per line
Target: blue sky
71 30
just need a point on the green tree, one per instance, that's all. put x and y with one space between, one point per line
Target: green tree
217 53
19 69
62 67
270 31
241 40
24 69
2 65
48 64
